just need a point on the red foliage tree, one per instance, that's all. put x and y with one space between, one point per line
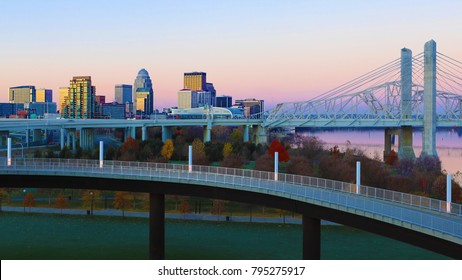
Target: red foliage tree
392 158
300 166
130 149
264 163
276 146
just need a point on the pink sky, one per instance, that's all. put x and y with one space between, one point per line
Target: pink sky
270 50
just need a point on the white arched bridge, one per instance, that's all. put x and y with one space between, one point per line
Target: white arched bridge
422 221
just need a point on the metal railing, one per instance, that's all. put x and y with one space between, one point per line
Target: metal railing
418 210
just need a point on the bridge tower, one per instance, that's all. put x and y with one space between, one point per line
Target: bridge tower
405 135
429 131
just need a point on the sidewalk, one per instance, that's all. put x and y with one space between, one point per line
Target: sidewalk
196 217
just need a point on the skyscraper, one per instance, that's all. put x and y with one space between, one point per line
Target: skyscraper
187 99
44 95
224 101
195 81
123 94
63 99
142 89
81 104
21 94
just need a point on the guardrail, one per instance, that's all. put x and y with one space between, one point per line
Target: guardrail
371 192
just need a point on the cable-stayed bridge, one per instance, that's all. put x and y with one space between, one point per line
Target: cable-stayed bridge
420 91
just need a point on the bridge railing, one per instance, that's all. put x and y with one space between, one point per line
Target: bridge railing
118 167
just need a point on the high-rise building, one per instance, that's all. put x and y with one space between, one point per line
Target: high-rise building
39 109
81 104
143 86
195 81
213 93
205 99
123 94
21 94
224 101
44 95
251 106
187 99
113 110
63 99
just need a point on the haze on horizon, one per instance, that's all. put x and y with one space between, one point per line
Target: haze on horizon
278 51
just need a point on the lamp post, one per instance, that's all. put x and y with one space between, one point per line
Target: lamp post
91 203
24 199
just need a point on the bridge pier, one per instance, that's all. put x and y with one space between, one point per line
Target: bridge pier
246 133
311 238
207 133
61 137
405 150
144 134
260 134
156 226
166 133
37 135
429 131
87 138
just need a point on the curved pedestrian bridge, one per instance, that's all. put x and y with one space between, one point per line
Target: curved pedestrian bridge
423 216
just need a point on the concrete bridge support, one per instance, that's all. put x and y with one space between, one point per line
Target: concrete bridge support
3 137
68 139
74 139
406 150
246 133
144 134
156 226
37 135
429 132
87 138
260 135
208 133
61 137
166 133
311 238
406 84
27 137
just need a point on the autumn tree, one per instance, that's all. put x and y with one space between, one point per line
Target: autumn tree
2 197
311 147
236 136
180 147
122 201
300 166
220 133
276 146
227 149
61 202
167 149
130 149
90 198
392 158
265 163
185 206
198 149
232 161
29 200
218 206
439 189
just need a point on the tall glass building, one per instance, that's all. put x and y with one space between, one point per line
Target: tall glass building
123 94
21 94
142 90
81 99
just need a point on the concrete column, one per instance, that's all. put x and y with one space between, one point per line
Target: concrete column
156 226
144 134
406 84
28 137
387 149
101 153
276 166
358 177
8 152
260 135
166 133
2 142
37 136
190 159
82 138
62 133
207 133
74 139
246 133
311 238
68 139
91 138
448 192
429 131
133 132
406 150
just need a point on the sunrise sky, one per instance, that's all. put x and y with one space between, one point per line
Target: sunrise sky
272 50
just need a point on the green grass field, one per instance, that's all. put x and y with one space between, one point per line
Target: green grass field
40 236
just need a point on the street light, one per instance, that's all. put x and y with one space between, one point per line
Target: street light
91 203
24 199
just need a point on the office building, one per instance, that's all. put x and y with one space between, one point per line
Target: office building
195 81
187 99
205 99
113 110
81 104
39 109
21 94
44 95
213 93
123 94
224 101
250 106
142 90
10 109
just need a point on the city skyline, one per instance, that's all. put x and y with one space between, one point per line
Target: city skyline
261 49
